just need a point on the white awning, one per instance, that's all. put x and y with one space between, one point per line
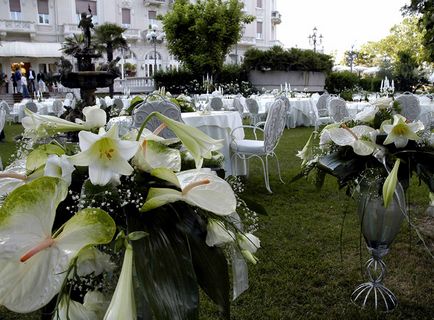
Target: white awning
30 49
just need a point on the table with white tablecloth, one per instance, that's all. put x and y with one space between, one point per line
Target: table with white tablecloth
302 112
218 125
44 107
355 107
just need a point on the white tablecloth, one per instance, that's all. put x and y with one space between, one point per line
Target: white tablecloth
355 107
2 120
302 112
19 107
218 125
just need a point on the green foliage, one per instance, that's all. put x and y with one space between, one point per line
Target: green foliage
108 37
201 34
292 59
406 72
370 83
336 82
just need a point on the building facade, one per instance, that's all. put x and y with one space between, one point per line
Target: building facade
32 31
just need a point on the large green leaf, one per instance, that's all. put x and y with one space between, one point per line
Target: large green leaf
164 265
210 263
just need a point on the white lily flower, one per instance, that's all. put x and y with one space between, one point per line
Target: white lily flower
95 117
33 261
200 188
122 305
59 167
307 153
217 234
91 260
93 307
105 154
360 138
399 132
389 185
248 244
198 143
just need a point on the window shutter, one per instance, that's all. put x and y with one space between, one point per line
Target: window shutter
43 7
126 16
14 5
152 15
82 6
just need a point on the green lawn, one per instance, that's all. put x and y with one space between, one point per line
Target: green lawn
300 274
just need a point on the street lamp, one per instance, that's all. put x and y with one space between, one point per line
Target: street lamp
314 39
154 37
351 56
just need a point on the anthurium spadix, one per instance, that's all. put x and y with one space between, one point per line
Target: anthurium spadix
200 188
33 261
198 143
105 154
360 138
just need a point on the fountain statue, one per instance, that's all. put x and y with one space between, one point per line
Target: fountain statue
87 79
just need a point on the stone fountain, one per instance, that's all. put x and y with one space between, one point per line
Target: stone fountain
86 78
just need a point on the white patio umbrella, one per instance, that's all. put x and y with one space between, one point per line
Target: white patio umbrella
371 70
339 68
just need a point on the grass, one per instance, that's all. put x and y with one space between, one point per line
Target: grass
300 274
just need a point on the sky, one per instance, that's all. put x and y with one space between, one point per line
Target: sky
342 23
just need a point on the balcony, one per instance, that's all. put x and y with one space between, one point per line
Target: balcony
276 43
132 34
70 29
154 2
17 26
247 41
276 17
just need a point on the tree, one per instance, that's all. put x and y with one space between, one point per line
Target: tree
424 10
108 37
406 72
200 35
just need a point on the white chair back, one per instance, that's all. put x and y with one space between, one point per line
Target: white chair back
410 105
57 108
322 105
238 106
274 125
216 103
32 106
338 109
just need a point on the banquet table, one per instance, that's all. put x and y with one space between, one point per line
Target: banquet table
20 106
218 125
302 112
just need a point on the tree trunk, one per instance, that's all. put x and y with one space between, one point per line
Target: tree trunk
109 59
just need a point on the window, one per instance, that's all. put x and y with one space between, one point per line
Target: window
15 9
83 5
126 17
258 3
259 30
43 13
152 16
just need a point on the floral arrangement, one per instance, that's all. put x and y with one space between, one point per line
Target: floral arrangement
113 227
379 140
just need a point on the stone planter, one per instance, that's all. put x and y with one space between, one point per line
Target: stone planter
299 80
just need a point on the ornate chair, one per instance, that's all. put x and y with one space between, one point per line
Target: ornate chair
410 105
57 108
32 106
338 109
216 103
322 114
161 105
262 149
253 107
10 115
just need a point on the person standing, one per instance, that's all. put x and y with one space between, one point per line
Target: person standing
17 76
31 81
25 90
14 83
6 80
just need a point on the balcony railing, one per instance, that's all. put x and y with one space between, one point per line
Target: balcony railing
276 43
132 34
18 26
70 29
154 2
248 41
276 17
137 84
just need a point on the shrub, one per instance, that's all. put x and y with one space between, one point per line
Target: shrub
293 59
336 82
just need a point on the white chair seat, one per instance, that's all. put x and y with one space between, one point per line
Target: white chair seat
249 146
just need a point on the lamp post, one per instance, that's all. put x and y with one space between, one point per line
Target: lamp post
154 37
351 56
314 39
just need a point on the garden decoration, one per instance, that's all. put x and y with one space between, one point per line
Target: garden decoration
374 156
113 227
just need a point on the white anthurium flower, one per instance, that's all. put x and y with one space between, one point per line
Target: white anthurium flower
217 234
59 167
95 117
200 188
324 138
248 244
367 114
13 176
33 261
93 307
44 125
360 138
105 154
383 103
399 132
122 305
91 260
198 143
